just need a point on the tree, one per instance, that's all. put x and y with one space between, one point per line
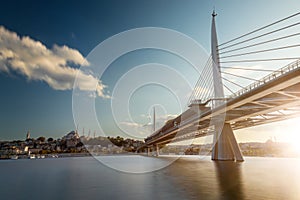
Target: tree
42 139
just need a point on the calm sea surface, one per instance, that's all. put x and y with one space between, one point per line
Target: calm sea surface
187 178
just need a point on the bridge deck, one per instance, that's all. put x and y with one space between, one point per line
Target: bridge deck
275 97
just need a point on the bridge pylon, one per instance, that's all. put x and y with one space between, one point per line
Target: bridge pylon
225 144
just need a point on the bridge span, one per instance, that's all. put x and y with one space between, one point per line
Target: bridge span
273 98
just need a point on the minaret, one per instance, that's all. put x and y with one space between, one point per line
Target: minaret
76 132
28 135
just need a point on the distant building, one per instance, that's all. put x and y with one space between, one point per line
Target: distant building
72 139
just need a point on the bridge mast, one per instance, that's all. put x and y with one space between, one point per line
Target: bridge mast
225 144
218 85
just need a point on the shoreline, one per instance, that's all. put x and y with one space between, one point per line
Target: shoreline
74 155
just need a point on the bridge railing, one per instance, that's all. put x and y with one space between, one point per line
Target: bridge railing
286 69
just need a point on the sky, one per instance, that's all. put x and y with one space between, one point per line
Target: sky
45 45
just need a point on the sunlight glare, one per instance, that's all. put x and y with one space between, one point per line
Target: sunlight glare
292 135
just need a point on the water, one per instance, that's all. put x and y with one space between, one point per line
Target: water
187 178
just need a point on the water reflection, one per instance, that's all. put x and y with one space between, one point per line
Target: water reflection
187 178
230 179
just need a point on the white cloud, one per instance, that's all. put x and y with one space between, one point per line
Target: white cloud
134 129
165 118
131 124
235 70
137 129
35 61
162 118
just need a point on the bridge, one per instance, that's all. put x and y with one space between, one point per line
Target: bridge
272 98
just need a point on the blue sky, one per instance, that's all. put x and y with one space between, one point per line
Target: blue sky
45 108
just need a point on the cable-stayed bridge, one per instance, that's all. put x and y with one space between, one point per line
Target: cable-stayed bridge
273 97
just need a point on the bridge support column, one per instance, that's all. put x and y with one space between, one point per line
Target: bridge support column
153 151
148 151
157 150
226 146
